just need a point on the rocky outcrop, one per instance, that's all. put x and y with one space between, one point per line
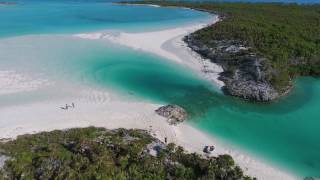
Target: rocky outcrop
173 113
155 147
3 160
246 74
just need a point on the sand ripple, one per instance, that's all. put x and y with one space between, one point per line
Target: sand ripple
13 82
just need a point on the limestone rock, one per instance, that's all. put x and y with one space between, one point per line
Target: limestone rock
173 113
246 74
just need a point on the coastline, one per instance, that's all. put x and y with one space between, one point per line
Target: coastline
106 109
169 44
128 4
99 108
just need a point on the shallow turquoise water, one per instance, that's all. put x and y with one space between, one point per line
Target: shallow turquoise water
284 132
35 17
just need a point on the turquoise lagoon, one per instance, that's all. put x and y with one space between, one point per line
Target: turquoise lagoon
38 17
285 133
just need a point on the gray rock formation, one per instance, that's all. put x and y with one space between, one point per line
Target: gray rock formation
155 147
3 160
173 113
245 75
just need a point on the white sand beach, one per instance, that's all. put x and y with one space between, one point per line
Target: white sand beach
104 108
168 44
13 82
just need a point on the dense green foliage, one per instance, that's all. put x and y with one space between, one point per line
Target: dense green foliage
97 153
288 35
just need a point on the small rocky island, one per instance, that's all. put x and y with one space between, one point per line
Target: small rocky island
174 113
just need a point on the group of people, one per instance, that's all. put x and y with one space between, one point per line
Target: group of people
67 106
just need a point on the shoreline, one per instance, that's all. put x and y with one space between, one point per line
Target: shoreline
100 108
95 107
128 4
169 44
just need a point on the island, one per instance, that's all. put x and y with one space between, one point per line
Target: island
98 153
262 47
117 79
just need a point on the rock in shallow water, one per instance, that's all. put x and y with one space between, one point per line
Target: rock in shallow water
173 113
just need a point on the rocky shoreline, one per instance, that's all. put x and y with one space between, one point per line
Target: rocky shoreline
246 74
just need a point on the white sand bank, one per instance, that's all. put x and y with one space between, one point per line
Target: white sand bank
167 44
13 82
104 109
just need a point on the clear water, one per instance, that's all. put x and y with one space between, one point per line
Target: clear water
267 1
285 132
38 17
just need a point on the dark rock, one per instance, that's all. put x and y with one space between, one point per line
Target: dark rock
208 149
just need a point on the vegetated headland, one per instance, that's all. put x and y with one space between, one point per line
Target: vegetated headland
262 47
98 153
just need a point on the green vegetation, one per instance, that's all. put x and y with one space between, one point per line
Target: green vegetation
97 153
288 35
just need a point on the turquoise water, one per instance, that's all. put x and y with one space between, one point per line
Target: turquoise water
285 132
35 17
269 1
